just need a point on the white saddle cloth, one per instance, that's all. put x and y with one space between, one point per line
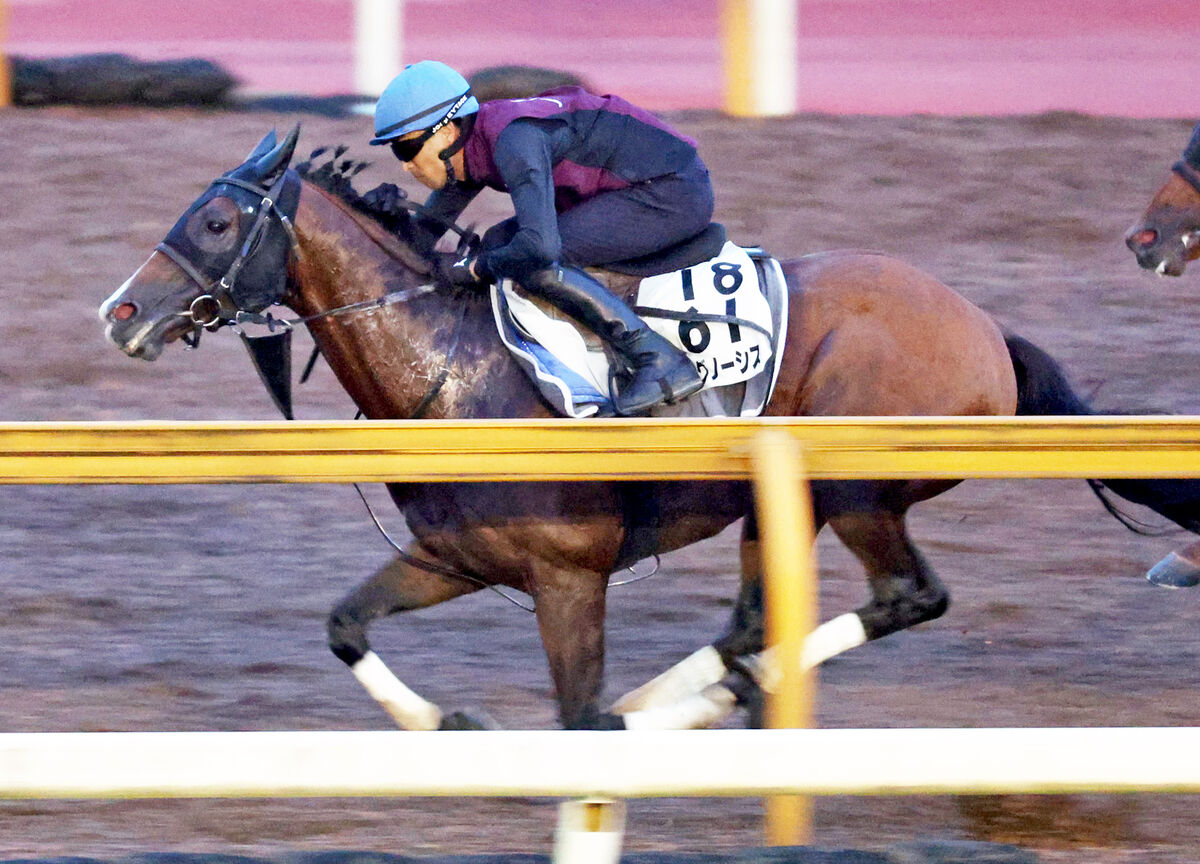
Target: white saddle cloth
725 317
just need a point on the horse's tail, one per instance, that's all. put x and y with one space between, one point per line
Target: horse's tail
1042 386
1043 389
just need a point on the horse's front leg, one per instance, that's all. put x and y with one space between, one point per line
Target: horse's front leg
570 614
570 608
709 667
397 587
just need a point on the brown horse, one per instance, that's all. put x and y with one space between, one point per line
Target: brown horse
1165 239
867 335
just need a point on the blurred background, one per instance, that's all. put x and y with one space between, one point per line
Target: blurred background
1122 57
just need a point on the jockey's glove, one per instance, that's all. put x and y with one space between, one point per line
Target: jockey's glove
454 269
385 198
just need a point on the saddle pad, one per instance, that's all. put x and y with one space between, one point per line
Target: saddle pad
725 352
737 358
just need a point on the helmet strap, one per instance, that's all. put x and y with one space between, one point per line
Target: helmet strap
464 130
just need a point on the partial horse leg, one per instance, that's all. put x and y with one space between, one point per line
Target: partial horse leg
397 587
710 664
904 589
704 670
869 520
1180 569
570 607
570 614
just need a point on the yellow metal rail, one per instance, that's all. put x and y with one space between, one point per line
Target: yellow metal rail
6 82
835 448
775 453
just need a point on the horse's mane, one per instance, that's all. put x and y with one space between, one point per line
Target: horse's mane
335 177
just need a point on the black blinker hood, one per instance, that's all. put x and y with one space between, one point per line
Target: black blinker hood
257 286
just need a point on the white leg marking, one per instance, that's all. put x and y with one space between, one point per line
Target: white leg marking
707 708
685 678
1161 269
408 709
830 639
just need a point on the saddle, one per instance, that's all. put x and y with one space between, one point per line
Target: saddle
724 305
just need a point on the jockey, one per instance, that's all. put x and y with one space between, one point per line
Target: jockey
593 180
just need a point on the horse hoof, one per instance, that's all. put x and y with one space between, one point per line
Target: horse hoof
1174 572
461 721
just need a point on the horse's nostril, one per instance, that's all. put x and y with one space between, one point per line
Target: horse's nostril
1145 237
123 312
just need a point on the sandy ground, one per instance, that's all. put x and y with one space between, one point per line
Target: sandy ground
192 608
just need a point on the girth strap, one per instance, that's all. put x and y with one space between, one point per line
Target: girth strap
655 312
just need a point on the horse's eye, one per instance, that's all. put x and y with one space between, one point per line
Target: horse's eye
217 226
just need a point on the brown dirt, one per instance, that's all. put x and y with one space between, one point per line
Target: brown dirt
184 607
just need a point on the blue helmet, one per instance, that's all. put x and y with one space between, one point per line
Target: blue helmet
424 95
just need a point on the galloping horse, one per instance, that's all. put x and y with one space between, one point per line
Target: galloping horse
866 335
1165 239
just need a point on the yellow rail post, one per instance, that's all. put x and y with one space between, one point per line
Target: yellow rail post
5 72
785 523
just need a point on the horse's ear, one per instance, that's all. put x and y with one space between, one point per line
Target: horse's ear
272 164
262 148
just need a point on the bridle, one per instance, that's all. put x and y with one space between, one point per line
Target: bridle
216 307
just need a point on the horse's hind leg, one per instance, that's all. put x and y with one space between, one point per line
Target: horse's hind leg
904 589
397 587
710 665
869 518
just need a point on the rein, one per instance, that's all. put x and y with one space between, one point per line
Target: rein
216 308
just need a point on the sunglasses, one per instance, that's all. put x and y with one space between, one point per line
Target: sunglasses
407 150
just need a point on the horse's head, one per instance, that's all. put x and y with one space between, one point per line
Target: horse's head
228 253
1167 236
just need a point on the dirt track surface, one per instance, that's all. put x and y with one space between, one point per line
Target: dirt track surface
190 608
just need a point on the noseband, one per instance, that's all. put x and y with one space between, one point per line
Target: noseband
216 307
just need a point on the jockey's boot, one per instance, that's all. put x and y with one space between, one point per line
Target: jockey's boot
661 372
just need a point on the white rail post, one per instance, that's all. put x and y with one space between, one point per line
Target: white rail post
378 44
760 59
589 831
